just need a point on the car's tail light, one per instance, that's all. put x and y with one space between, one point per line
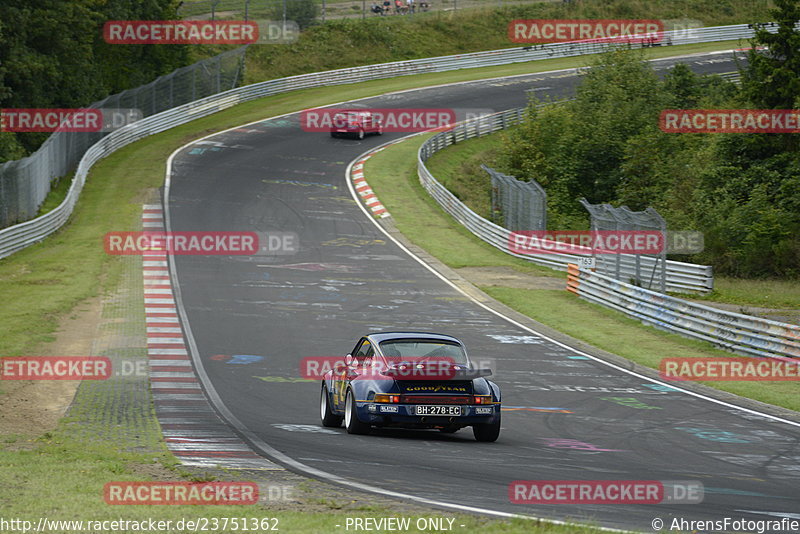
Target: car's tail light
389 399
482 399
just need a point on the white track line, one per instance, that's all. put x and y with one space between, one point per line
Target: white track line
278 456
533 331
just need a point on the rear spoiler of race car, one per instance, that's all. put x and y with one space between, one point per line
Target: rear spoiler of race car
434 372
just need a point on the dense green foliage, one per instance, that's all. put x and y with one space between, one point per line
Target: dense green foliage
741 190
772 80
303 12
52 55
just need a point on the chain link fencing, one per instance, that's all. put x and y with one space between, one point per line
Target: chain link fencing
25 183
651 272
517 205
677 276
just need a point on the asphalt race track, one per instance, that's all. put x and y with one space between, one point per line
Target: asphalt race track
254 317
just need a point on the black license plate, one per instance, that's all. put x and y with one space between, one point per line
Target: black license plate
437 410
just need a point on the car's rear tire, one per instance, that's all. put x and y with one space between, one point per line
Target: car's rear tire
329 418
351 421
487 431
380 130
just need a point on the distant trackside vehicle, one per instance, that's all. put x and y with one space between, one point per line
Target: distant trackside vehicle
356 123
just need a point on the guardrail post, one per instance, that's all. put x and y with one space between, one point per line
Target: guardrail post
573 278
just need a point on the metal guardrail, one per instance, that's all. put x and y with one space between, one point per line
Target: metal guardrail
25 183
743 334
680 277
519 204
22 235
605 217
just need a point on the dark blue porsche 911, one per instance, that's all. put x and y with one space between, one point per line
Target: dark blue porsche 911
410 380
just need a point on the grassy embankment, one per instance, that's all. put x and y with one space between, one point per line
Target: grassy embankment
458 167
392 175
346 43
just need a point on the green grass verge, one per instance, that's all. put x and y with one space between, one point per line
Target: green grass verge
62 480
58 192
459 169
392 175
761 293
419 217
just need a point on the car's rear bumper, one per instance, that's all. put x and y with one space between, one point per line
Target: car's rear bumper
404 414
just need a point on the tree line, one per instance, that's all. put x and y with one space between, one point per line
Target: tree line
741 189
52 55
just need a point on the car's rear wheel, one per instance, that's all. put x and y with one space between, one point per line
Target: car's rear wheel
380 130
351 421
487 431
326 414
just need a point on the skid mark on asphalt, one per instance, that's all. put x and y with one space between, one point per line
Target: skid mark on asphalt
574 444
191 428
300 183
314 429
340 268
540 409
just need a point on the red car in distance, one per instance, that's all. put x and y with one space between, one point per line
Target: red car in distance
356 123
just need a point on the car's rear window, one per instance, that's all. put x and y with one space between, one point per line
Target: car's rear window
412 350
348 116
